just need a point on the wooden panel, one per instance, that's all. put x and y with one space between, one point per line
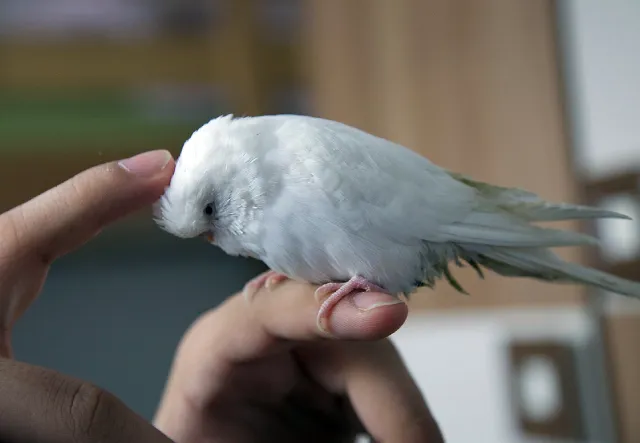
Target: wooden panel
471 84
338 59
243 56
102 63
623 334
98 63
628 181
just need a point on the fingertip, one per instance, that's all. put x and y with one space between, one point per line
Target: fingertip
154 167
383 316
357 316
132 183
109 191
146 164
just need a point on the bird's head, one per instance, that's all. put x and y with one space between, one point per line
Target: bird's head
192 203
217 190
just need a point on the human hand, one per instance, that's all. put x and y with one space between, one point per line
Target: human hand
38 404
263 372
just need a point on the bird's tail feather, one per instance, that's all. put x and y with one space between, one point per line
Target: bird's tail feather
530 207
499 236
543 211
543 264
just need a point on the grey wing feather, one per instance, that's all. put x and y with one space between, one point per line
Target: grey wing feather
374 183
530 207
382 185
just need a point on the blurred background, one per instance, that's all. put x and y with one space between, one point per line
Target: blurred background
540 94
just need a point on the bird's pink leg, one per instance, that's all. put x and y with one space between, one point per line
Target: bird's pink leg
267 279
338 292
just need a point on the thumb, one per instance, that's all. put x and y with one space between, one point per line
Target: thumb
37 404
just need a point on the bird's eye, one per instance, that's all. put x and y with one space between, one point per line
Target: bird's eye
209 209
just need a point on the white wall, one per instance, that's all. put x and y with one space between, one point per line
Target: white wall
603 42
460 362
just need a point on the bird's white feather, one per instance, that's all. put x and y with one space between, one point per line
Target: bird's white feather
322 201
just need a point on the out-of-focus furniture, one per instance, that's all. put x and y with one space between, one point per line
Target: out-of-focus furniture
621 317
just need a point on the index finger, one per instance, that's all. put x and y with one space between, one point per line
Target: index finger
368 370
288 312
68 215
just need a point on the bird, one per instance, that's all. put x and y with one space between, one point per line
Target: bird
322 202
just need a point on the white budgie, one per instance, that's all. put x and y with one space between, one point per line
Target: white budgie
326 203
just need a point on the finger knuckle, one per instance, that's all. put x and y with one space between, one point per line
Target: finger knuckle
94 413
75 189
10 237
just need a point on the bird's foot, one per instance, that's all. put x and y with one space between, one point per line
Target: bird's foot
267 280
338 291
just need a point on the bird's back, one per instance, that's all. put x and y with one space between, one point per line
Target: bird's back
349 197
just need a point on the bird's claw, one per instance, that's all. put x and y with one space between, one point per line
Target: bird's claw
326 289
338 291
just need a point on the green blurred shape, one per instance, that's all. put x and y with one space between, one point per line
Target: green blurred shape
63 120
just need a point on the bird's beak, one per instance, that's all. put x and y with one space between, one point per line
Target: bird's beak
208 236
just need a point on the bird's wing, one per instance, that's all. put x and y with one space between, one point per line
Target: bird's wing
370 182
381 186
